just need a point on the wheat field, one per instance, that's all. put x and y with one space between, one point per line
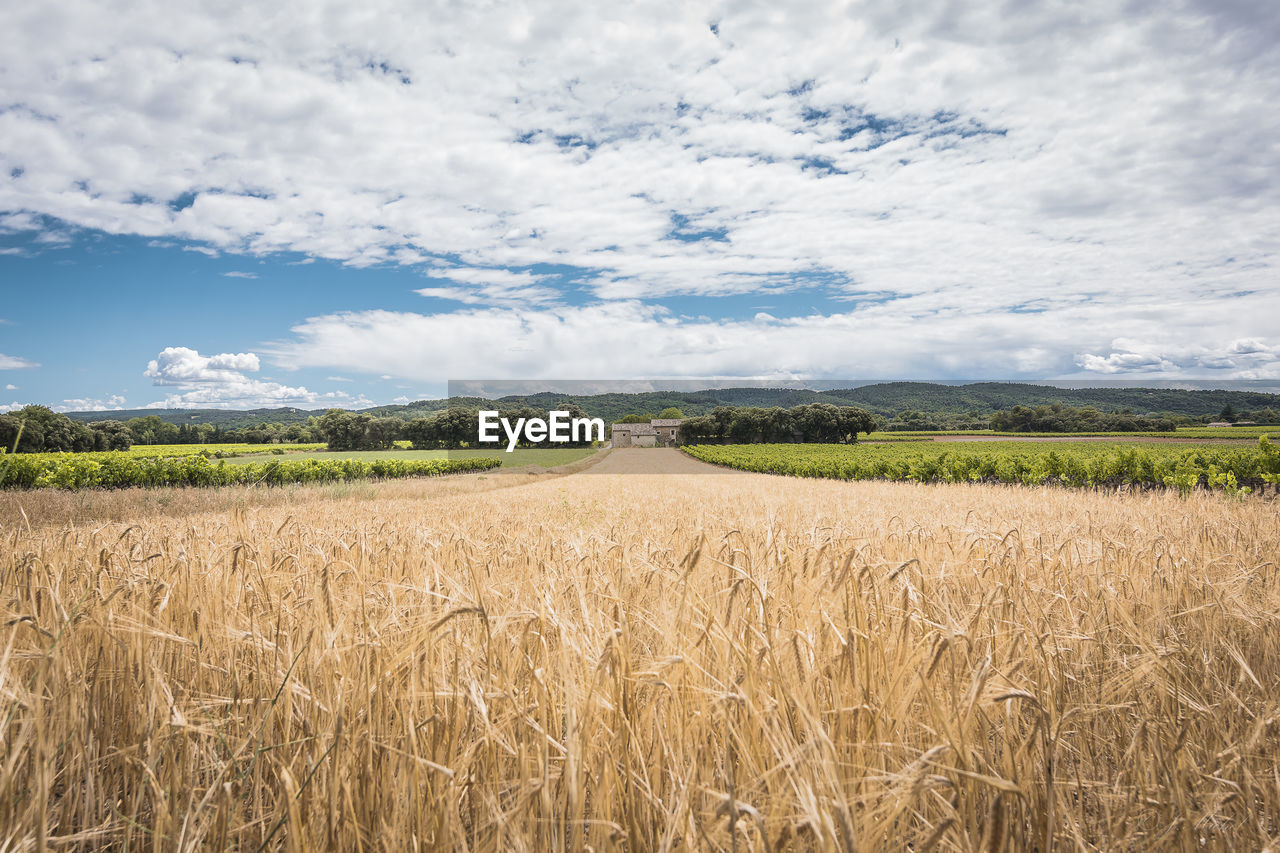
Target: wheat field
641 663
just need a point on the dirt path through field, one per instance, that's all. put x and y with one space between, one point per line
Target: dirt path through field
653 460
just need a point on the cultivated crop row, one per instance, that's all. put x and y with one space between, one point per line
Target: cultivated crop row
227 449
121 470
1083 464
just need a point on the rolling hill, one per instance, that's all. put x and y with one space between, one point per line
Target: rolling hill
886 399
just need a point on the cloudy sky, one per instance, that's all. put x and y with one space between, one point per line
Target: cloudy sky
351 203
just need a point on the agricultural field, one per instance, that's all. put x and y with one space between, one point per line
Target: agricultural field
119 470
546 457
1227 467
212 449
214 465
1240 433
1235 432
640 662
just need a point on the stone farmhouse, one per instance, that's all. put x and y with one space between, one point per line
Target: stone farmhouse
660 432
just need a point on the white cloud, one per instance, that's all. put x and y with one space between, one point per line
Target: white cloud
11 387
184 366
238 274
914 337
13 362
1241 358
488 295
219 381
81 404
966 159
491 287
11 407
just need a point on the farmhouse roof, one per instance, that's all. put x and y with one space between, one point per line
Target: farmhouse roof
666 422
642 429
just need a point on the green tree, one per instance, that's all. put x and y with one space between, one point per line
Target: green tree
425 433
10 428
699 429
44 430
343 430
152 430
111 435
671 412
382 433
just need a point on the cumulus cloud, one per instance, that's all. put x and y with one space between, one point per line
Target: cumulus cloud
12 362
219 381
237 274
185 366
953 159
11 407
11 387
1242 358
631 339
115 402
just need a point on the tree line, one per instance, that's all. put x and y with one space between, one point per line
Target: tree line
459 427
1059 418
815 422
451 428
37 429
43 430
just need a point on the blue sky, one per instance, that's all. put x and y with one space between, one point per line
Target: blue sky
314 206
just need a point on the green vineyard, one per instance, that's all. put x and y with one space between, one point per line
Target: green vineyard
123 470
1028 463
216 450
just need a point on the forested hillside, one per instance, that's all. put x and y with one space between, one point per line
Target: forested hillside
927 400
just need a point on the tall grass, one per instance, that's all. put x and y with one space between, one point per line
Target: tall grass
648 662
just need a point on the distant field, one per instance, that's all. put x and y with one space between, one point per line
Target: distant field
1244 432
546 457
1228 432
